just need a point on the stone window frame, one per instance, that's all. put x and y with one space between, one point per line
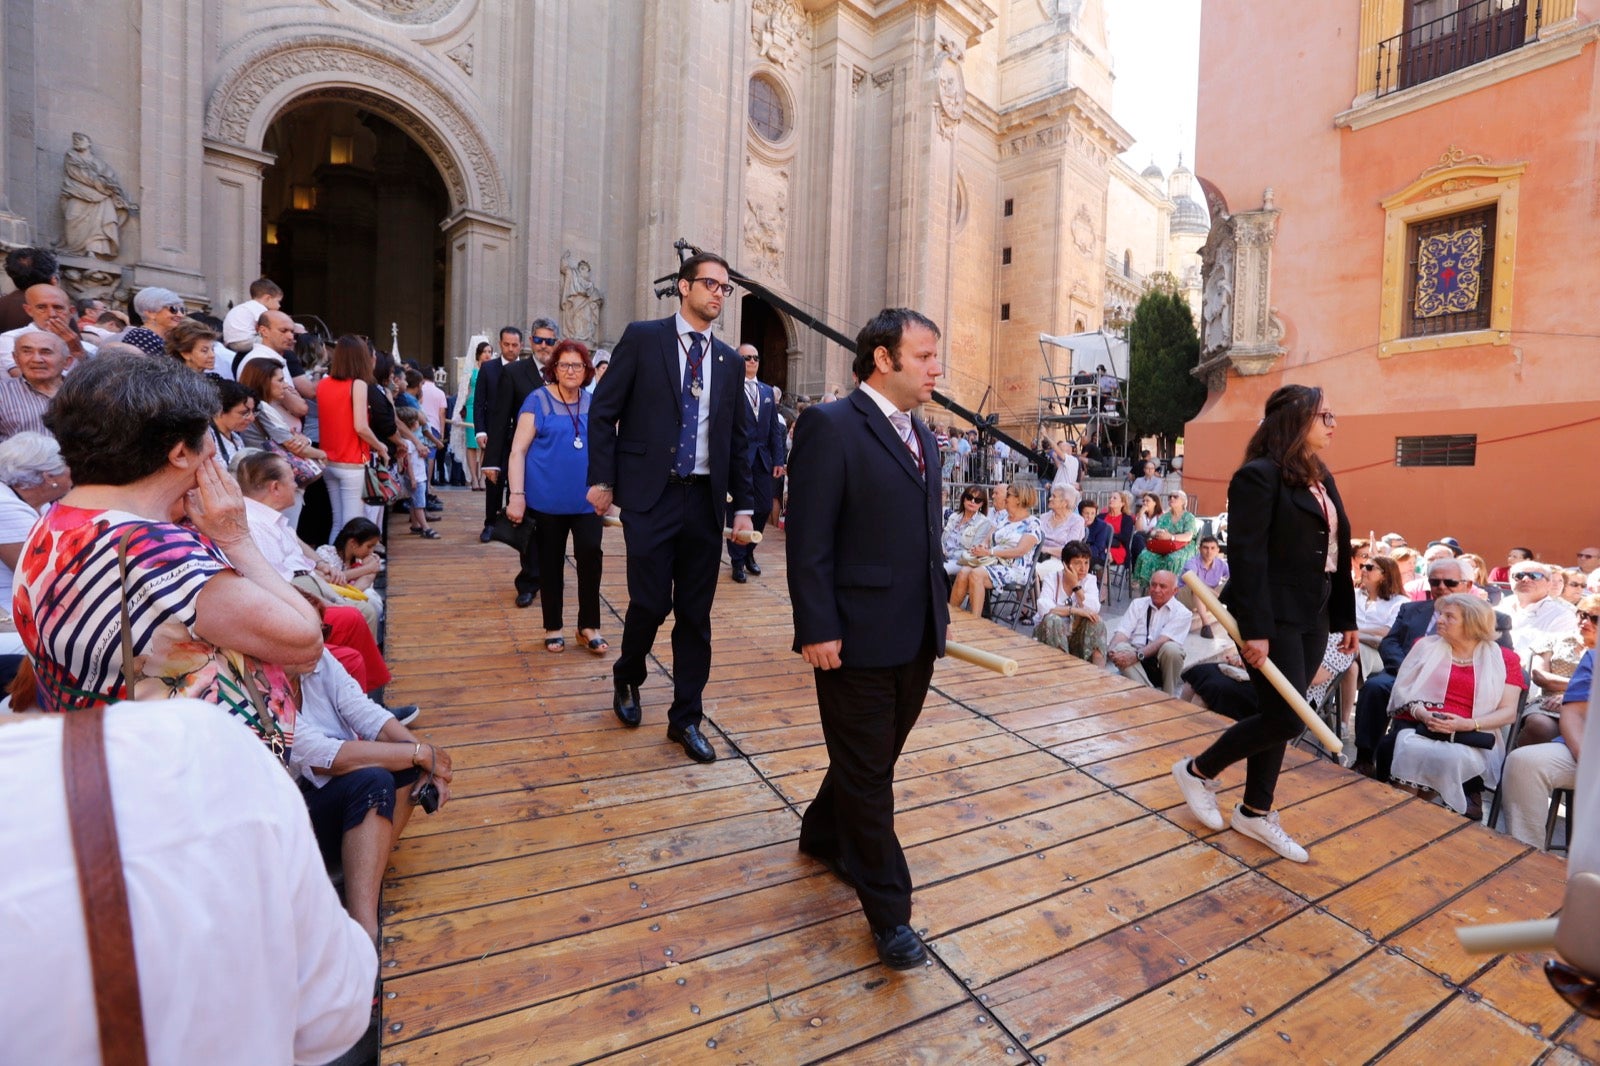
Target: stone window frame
1442 192
785 101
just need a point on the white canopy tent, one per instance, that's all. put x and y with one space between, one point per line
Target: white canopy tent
1088 350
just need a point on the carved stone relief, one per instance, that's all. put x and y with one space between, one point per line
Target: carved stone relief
952 100
1239 327
766 220
779 29
1083 230
455 142
408 12
461 56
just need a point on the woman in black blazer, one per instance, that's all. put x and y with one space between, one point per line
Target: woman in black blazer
1289 550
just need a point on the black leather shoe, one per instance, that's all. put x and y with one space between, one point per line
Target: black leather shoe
834 866
486 536
899 948
524 599
739 578
696 746
750 565
625 702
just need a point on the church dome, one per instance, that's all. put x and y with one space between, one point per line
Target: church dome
1189 217
1153 173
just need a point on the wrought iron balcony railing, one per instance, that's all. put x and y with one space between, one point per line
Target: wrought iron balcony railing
1470 34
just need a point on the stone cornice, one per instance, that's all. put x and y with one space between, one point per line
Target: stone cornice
1078 107
972 17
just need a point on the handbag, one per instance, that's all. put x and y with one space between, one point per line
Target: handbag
305 470
380 488
1472 738
517 534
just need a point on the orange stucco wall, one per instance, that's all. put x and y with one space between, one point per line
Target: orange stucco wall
1270 88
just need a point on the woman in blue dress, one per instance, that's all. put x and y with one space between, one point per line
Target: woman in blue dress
547 475
1008 558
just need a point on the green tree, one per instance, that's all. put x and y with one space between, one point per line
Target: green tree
1163 349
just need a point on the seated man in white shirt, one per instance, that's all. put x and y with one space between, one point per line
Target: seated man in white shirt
1148 644
244 954
239 326
1537 616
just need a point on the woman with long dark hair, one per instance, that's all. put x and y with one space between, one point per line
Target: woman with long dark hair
1289 550
347 434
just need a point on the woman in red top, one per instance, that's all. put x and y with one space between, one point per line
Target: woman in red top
347 437
1453 693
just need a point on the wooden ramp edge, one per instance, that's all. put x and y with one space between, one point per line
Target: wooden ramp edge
591 895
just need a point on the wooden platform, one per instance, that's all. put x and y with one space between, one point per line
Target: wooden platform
591 895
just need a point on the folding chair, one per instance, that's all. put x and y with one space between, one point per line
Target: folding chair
1016 600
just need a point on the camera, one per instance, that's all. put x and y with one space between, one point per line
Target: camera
428 797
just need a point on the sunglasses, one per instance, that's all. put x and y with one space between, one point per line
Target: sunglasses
1369 566
972 498
1581 993
1592 619
752 359
1435 582
543 341
1588 555
1529 575
176 309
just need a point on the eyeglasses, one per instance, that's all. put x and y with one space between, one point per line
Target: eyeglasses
1328 418
752 359
1588 555
543 341
1592 619
713 285
569 366
1581 993
1529 575
1435 582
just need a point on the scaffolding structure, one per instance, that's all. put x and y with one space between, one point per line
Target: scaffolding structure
1087 402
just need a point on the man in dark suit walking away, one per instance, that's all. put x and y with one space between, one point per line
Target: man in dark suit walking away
762 426
494 486
866 577
517 381
668 445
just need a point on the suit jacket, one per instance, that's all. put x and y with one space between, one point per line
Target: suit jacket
1277 555
635 416
1411 625
865 565
483 400
517 380
766 433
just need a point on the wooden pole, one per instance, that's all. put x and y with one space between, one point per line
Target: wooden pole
747 536
1507 936
1268 668
1000 664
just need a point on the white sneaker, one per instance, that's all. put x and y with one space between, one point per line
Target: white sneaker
1197 793
1267 830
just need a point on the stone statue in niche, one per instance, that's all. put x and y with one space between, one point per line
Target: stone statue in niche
1216 299
93 203
581 301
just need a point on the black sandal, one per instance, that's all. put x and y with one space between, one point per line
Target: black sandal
425 534
596 644
555 645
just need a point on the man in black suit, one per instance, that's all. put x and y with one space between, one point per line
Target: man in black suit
759 413
1414 622
517 380
667 444
866 577
494 490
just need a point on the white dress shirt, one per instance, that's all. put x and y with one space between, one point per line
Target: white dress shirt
702 433
269 528
245 954
1171 621
239 324
1540 620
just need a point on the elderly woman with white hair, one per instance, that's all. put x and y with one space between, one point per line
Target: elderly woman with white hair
32 477
161 309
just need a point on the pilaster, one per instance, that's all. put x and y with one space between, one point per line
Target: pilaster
172 117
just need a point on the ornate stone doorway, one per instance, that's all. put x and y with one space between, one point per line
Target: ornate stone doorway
763 325
350 217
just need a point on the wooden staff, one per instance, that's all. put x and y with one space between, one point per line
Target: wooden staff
1268 668
748 536
1507 936
1571 936
1000 664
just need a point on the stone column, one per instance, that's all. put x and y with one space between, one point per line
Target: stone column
172 97
230 214
479 264
14 229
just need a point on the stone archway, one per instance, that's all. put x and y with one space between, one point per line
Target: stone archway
411 89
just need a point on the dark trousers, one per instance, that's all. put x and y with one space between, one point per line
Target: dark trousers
866 717
1262 738
1372 715
674 556
494 498
761 484
551 532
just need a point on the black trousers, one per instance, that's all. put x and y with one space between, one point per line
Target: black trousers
1262 738
674 557
866 717
494 498
761 485
1372 715
551 532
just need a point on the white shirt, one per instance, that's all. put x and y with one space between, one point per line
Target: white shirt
269 528
702 435
1086 595
1171 621
333 709
223 365
1378 612
1536 623
240 322
1067 466
245 954
260 351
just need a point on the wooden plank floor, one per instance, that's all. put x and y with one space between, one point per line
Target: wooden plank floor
591 895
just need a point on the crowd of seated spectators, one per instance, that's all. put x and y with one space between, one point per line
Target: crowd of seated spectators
156 543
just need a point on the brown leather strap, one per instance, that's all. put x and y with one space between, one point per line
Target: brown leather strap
103 889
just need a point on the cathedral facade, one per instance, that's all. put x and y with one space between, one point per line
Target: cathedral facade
449 166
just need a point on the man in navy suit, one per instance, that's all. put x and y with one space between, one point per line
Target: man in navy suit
517 380
866 577
762 425
668 446
494 492
1414 622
